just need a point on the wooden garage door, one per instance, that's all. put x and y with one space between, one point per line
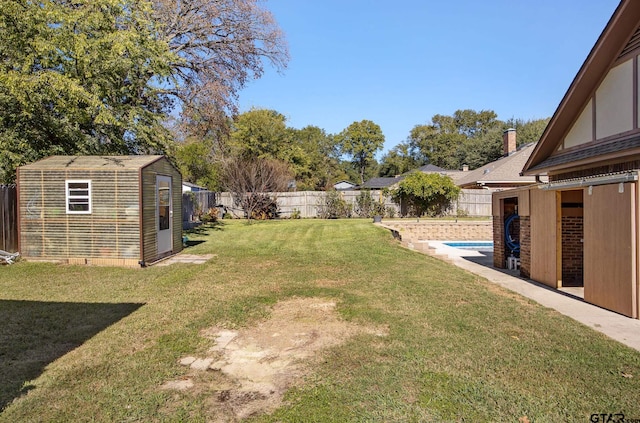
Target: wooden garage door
610 247
544 236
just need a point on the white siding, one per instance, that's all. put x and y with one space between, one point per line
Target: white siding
582 130
614 101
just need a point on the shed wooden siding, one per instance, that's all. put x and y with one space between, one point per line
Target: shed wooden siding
110 231
545 251
149 213
610 248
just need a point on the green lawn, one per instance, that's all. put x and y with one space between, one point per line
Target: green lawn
95 344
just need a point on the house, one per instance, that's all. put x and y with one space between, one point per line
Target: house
189 187
381 183
344 186
110 210
502 173
582 228
391 182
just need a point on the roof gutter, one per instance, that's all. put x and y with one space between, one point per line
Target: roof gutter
617 178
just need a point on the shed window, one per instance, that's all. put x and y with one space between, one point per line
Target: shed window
78 197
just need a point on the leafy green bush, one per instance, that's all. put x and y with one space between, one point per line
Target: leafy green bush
367 206
333 206
428 194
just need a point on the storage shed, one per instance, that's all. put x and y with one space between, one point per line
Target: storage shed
580 232
108 210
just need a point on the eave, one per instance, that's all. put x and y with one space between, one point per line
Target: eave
603 55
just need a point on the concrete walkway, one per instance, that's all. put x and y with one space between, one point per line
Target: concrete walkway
185 258
622 329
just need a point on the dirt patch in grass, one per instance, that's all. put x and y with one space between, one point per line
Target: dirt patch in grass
246 372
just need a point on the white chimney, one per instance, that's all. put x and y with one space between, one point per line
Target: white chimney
465 168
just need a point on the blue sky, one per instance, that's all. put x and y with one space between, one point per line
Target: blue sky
398 66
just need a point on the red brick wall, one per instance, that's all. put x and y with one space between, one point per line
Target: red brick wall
572 250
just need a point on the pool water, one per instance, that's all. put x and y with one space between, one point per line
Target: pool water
471 245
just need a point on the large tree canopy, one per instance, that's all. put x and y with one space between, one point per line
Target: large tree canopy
218 45
79 78
360 141
397 161
467 137
100 76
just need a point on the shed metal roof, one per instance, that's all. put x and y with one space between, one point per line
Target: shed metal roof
92 162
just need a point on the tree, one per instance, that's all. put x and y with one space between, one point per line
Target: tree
425 193
197 165
323 154
219 45
397 161
528 130
361 140
466 137
250 180
79 78
259 133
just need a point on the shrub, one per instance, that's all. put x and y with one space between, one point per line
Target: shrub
333 206
426 193
261 206
366 206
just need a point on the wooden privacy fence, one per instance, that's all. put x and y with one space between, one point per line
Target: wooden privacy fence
8 218
304 202
472 202
194 203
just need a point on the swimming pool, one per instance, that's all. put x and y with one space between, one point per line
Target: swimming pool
471 245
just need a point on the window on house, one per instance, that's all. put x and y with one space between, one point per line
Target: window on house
78 197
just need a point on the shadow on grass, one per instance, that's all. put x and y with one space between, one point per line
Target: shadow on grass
205 228
34 334
193 243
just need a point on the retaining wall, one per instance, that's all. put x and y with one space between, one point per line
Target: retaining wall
467 230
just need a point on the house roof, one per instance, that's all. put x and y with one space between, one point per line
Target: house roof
377 183
192 185
504 171
93 162
619 37
344 182
615 148
431 168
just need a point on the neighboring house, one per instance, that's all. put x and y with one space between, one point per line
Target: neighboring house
430 168
381 183
502 173
582 228
189 187
110 210
344 186
391 182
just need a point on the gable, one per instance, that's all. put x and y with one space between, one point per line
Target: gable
602 104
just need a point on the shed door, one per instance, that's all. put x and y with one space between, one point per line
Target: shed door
610 247
544 237
164 212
